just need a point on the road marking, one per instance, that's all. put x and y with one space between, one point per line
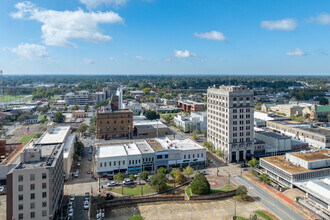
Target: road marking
169 208
266 201
122 211
149 208
210 203
204 205
177 206
130 210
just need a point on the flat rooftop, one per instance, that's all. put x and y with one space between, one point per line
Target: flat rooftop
132 149
321 131
287 166
155 145
273 135
68 144
55 135
144 147
116 150
185 144
313 156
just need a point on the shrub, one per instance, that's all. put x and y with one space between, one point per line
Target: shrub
200 185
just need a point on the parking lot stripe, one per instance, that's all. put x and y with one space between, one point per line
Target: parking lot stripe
169 207
122 211
210 203
177 206
131 210
149 207
202 204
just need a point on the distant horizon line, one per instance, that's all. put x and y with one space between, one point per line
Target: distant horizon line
174 74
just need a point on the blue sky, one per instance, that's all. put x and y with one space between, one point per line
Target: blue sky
234 37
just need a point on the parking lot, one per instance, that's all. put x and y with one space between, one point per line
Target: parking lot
210 209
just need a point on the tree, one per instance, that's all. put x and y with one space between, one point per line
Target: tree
167 118
194 134
75 157
208 145
58 117
188 171
173 172
86 107
132 177
92 129
200 185
144 175
82 128
75 107
241 191
22 117
151 115
179 178
162 170
79 145
265 178
118 177
158 181
253 163
146 91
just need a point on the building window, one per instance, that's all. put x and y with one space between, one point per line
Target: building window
114 163
129 162
188 156
20 206
44 176
184 156
101 164
20 178
44 194
44 185
44 212
202 155
159 156
139 161
110 164
105 164
123 162
20 187
32 177
32 187
32 196
44 204
197 155
166 156
20 197
118 163
32 215
32 205
20 216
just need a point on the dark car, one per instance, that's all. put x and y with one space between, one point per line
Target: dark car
109 196
243 165
110 178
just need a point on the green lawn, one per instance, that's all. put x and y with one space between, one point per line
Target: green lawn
222 189
136 189
263 215
239 218
42 117
9 98
26 139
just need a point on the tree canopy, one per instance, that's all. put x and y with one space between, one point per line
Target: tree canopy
200 185
58 117
151 115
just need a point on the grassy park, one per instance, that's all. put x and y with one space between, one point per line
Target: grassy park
137 190
222 189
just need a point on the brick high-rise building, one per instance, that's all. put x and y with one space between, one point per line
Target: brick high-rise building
230 121
114 123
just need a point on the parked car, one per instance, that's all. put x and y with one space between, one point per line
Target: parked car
205 173
76 174
88 171
78 164
90 158
137 175
86 205
2 188
128 182
87 194
243 165
148 180
109 196
110 178
72 197
112 183
70 213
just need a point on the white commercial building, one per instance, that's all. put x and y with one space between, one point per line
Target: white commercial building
230 121
197 120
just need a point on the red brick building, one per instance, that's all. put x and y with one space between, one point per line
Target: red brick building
188 105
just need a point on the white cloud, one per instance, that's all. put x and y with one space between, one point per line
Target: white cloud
88 61
96 3
31 51
112 59
184 54
142 58
297 52
323 18
59 27
213 35
287 24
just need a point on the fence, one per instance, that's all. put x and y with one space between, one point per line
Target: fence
213 195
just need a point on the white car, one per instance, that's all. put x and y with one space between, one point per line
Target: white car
78 164
73 197
112 183
70 213
86 205
2 188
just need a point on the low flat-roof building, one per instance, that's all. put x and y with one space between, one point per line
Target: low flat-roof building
317 137
188 105
150 128
196 121
297 166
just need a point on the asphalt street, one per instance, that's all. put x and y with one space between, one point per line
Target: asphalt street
268 201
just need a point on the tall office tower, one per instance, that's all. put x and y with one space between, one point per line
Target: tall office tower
230 121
